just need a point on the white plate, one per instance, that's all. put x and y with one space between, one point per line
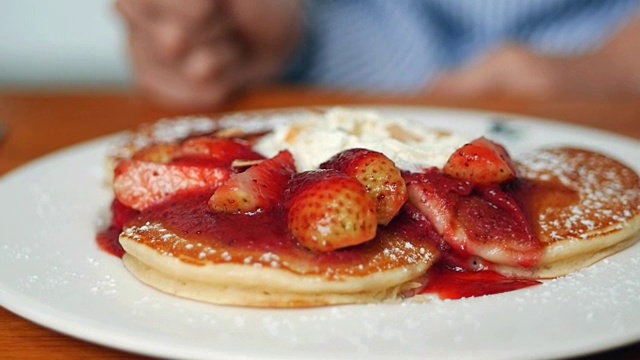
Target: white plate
53 274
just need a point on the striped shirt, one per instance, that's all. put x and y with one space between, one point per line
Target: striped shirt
402 45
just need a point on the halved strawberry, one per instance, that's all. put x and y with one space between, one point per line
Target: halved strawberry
327 210
379 175
225 150
259 188
158 153
140 184
220 150
482 162
486 223
161 170
496 234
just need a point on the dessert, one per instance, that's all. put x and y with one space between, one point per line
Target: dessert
349 207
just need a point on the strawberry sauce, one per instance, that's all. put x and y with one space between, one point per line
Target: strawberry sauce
454 276
262 239
448 283
108 241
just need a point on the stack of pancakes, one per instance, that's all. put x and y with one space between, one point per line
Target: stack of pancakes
390 267
599 216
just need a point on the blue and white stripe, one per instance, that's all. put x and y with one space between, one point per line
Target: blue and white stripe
401 45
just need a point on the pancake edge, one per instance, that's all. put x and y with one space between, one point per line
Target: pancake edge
247 285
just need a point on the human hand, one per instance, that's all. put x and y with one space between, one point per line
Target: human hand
519 71
195 54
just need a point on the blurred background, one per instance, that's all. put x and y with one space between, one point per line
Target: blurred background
62 44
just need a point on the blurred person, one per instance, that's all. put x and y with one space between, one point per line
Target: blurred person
198 53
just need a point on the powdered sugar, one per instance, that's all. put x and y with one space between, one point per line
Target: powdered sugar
609 192
162 131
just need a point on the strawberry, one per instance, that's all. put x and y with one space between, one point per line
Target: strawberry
203 148
157 153
486 223
162 170
140 184
327 209
259 188
481 162
225 150
380 176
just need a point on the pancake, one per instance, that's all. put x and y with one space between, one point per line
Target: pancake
596 215
267 268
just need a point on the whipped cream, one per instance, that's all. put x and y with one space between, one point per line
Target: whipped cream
412 146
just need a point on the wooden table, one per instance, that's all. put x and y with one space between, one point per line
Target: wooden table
42 122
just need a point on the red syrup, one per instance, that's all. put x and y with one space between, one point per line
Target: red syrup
452 277
453 284
444 280
108 241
